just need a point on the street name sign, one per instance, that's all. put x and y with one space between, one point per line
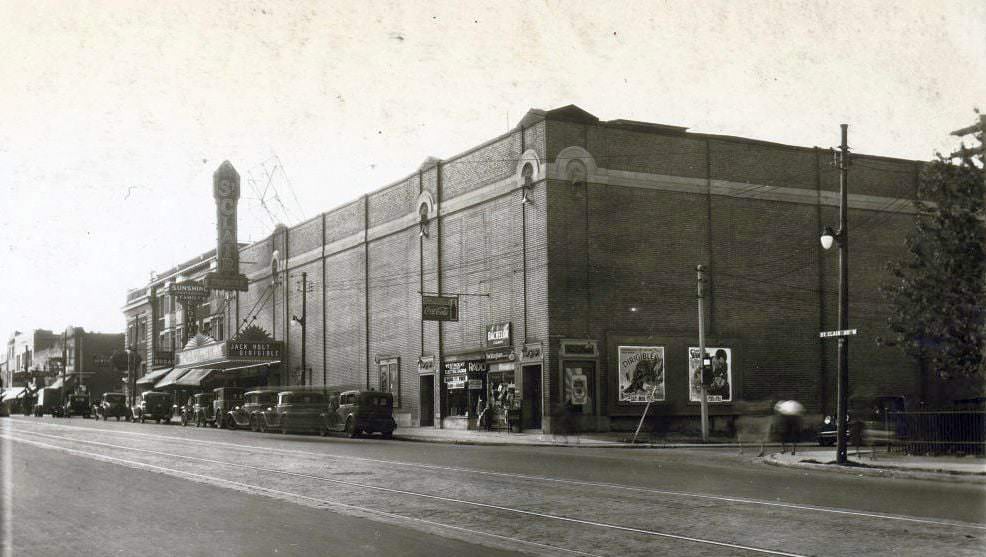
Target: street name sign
842 333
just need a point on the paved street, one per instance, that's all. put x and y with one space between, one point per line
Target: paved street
86 487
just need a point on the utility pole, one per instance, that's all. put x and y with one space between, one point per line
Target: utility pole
301 321
843 385
701 349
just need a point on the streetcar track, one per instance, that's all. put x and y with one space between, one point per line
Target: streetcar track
536 478
285 494
605 525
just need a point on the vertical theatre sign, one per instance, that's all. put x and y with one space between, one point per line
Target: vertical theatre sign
226 191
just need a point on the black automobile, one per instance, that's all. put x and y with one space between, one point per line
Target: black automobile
202 413
112 405
870 420
247 414
360 412
77 404
153 406
297 410
225 399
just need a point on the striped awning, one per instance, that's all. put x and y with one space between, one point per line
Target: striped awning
152 377
170 380
194 377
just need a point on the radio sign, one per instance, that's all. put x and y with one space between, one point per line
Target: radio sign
226 191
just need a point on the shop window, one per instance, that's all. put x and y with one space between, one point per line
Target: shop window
390 377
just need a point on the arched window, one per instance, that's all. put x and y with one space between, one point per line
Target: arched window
423 220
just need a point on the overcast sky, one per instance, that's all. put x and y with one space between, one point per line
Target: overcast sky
114 114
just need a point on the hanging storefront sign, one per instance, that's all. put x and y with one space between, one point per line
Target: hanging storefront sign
500 354
641 373
440 308
226 191
722 374
426 364
188 292
498 334
532 352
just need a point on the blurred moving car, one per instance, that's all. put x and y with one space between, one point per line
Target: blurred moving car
870 420
112 405
296 410
153 406
48 401
77 404
360 412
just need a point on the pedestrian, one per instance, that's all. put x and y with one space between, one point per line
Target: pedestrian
787 421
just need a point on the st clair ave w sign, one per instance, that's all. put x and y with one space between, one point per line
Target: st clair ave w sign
842 333
439 308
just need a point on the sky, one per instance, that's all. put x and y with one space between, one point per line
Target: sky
114 114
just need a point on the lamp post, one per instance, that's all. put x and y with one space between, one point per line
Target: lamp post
841 238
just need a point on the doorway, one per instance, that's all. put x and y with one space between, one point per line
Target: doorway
426 386
531 400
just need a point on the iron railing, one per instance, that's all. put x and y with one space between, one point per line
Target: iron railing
936 433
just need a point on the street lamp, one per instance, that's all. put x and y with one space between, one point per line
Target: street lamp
841 238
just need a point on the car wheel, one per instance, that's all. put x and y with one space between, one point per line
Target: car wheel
141 419
118 418
387 435
351 428
284 430
219 422
253 423
230 423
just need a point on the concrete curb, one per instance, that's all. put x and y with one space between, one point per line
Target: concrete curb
882 472
598 445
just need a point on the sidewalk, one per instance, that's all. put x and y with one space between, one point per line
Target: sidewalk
949 468
534 438
962 469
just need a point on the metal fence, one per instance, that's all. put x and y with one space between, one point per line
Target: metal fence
936 433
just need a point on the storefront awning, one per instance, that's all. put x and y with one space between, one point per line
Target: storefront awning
193 378
153 376
12 393
60 382
170 380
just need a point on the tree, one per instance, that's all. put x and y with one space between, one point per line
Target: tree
938 289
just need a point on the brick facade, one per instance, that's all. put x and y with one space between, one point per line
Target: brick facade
602 255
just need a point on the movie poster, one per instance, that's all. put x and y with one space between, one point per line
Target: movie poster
641 373
721 389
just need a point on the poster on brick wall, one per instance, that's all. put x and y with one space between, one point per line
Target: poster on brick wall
721 389
641 373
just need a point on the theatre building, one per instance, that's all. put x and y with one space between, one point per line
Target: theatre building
554 268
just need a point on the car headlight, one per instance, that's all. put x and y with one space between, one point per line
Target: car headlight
828 420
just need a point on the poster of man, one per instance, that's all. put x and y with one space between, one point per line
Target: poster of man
722 375
641 373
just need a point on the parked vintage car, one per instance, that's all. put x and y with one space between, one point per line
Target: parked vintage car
202 414
870 420
153 406
247 414
294 411
77 404
223 402
360 412
112 405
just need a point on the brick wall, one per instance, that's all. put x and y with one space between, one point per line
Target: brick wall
614 247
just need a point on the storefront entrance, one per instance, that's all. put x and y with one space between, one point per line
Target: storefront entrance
426 389
531 400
